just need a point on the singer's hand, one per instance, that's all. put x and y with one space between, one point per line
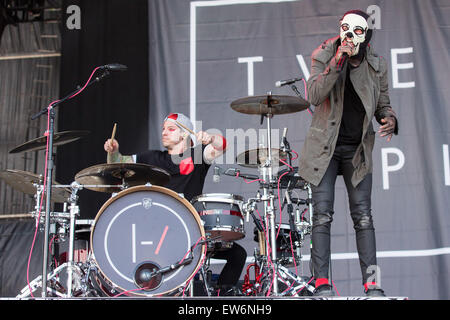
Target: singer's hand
345 47
111 146
387 129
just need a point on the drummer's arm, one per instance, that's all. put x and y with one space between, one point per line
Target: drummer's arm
216 147
114 156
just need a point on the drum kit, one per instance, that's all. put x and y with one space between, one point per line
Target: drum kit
149 241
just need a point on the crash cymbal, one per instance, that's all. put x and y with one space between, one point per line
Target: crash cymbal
25 182
255 158
59 138
278 104
111 174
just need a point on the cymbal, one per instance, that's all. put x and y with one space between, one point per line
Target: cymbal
132 174
59 138
255 158
279 104
24 181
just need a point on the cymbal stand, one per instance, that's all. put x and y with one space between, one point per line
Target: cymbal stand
50 110
299 229
37 282
268 197
74 212
295 283
37 198
61 219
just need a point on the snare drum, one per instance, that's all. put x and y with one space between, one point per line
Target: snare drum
221 214
143 230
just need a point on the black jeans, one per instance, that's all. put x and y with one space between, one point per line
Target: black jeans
360 210
231 272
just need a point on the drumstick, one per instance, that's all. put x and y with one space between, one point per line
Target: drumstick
186 128
113 133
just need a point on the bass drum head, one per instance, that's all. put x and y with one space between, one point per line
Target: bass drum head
142 230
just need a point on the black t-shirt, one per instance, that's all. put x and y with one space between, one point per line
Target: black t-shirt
350 131
188 170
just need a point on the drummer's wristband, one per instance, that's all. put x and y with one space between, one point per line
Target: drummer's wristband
116 157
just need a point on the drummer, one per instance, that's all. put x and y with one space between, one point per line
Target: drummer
187 158
182 158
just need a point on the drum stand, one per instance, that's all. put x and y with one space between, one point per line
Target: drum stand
264 259
268 197
62 218
270 256
300 228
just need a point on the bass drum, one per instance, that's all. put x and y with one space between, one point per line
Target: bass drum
138 235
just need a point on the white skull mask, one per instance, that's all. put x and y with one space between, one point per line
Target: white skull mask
354 28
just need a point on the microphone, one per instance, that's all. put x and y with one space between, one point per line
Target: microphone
234 172
286 82
114 67
216 175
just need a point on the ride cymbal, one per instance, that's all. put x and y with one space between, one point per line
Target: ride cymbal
278 104
104 177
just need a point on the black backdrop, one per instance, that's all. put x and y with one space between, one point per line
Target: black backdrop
121 98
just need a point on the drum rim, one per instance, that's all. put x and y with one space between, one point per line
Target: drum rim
225 196
166 191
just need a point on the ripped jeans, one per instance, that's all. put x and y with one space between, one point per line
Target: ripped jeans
360 210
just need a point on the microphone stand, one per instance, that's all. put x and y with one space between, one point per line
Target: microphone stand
295 89
50 165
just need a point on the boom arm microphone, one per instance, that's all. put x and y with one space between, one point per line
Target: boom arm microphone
114 67
286 82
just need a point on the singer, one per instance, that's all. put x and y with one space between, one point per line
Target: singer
188 158
349 87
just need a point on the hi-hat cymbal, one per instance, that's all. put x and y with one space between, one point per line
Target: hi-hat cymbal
59 138
278 104
26 182
101 177
255 158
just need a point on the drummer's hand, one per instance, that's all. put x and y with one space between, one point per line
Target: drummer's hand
204 137
111 146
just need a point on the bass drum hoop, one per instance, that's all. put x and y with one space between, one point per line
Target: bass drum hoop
168 192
